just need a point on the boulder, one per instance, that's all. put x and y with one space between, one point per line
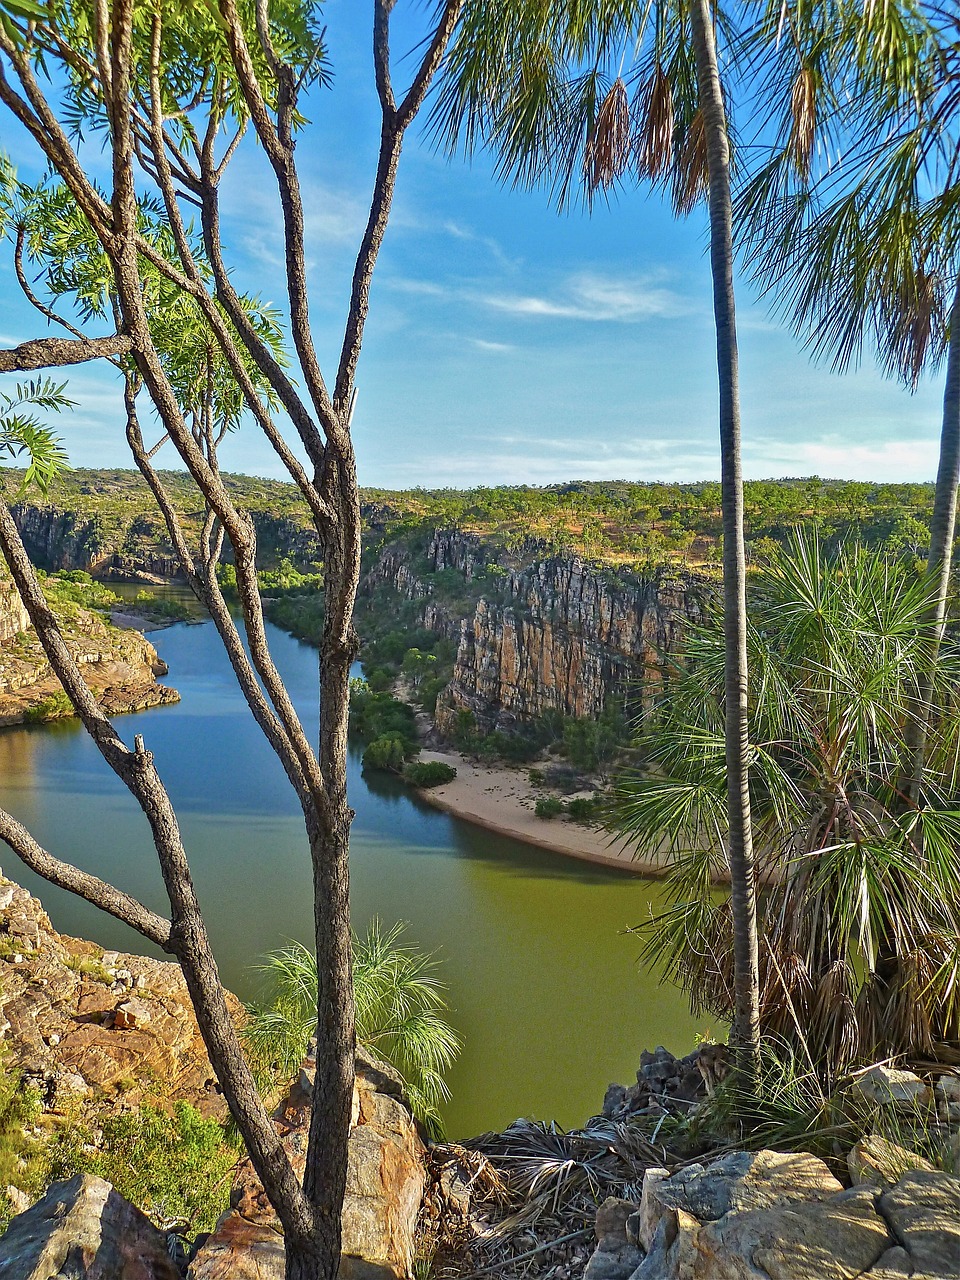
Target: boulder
616 1256
385 1181
85 1230
880 1162
923 1211
891 1087
769 1216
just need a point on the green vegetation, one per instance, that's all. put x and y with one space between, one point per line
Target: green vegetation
858 931
176 1168
400 1015
24 1148
635 525
54 707
429 773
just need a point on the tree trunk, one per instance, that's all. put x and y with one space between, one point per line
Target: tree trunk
743 891
942 528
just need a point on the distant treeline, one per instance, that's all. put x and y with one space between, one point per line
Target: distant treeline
620 521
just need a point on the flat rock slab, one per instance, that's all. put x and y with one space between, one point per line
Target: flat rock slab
923 1211
85 1230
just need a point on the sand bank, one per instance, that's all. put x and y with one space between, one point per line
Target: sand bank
502 799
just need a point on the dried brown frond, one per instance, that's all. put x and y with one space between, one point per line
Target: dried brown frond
914 318
653 107
691 176
803 111
607 152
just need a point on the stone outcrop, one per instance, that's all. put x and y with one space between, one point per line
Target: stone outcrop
132 544
666 1084
385 1182
552 633
13 616
96 1030
779 1216
120 666
84 1230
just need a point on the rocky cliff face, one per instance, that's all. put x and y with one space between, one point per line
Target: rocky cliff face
59 539
134 547
13 616
555 634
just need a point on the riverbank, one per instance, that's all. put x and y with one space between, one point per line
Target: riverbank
501 798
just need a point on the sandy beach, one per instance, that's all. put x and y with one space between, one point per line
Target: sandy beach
502 799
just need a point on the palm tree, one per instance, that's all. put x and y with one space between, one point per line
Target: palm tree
871 246
531 77
400 1006
857 876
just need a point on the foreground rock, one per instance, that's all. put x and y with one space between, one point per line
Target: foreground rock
385 1181
84 1230
96 1030
775 1216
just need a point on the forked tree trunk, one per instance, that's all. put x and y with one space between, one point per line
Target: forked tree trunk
742 871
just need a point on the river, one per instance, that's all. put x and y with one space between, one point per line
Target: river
543 983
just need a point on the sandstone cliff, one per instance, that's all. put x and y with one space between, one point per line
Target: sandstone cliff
547 633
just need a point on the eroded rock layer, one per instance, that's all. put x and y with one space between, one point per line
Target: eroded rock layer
554 633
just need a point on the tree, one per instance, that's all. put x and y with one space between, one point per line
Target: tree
532 78
870 247
173 89
856 879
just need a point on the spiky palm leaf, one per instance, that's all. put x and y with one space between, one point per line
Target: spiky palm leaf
863 883
400 1003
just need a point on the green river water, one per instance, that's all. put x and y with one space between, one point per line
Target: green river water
543 983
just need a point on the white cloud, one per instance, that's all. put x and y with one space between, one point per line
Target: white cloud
596 298
888 460
482 344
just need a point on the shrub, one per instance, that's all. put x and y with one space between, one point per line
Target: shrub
175 1168
54 707
429 773
585 809
385 753
400 1015
548 807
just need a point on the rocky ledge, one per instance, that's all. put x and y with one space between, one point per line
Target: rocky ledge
96 1030
772 1215
121 667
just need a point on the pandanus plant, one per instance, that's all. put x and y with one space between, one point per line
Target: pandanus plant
860 915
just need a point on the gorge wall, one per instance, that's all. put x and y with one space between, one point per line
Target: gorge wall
556 634
132 546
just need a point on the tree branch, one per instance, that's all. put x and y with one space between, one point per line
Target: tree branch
97 892
54 353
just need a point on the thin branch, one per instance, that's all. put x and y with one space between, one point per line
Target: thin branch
97 892
52 353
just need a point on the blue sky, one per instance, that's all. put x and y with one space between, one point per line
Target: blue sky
507 344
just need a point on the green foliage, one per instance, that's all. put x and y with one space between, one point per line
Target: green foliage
859 927
593 745
386 753
175 1168
429 773
54 707
23 435
400 1007
378 715
24 1155
548 807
